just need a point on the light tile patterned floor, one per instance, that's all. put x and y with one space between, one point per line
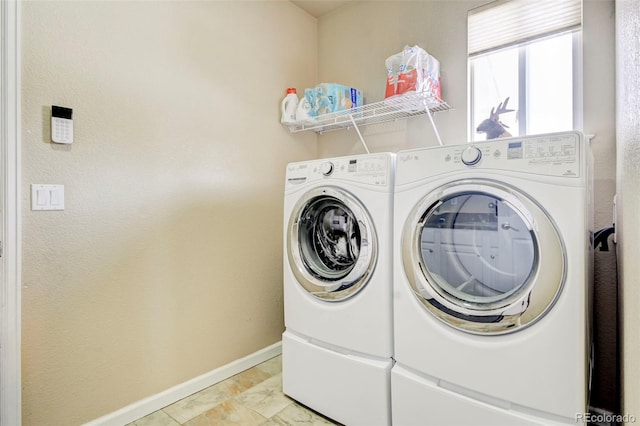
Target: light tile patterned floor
253 397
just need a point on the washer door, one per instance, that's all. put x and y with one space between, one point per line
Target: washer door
483 257
332 246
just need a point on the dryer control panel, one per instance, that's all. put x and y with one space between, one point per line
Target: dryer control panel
558 154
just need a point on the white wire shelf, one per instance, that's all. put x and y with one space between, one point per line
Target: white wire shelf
390 109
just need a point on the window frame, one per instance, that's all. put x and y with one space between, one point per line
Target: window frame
522 108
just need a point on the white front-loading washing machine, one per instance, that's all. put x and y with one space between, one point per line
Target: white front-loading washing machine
492 261
338 344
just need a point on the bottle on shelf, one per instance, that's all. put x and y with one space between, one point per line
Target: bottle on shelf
288 106
303 113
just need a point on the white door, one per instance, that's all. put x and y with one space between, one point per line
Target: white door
331 244
483 257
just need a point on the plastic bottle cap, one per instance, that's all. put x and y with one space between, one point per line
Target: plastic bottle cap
291 90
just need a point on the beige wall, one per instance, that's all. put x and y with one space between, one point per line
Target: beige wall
166 262
628 204
354 42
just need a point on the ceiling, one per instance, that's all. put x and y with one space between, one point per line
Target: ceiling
317 8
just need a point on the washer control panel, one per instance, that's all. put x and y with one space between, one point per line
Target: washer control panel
373 169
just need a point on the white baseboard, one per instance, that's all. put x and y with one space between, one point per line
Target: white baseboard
155 402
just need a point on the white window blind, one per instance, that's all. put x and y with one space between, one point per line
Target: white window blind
505 23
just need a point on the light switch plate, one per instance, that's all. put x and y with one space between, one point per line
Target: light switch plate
47 197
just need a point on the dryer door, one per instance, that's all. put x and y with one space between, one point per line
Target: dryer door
331 244
483 257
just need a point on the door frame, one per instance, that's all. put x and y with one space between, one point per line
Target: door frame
10 222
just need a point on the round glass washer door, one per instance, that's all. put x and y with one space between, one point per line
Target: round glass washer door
483 257
332 245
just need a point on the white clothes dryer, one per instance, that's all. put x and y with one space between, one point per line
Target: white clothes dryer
338 345
492 278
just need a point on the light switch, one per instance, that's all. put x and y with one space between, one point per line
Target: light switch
47 197
54 197
42 197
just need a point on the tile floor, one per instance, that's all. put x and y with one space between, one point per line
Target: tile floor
252 397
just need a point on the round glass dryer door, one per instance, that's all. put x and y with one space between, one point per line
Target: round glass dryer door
332 246
482 257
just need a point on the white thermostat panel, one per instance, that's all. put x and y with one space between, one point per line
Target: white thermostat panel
61 125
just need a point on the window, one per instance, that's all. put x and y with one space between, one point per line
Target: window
533 64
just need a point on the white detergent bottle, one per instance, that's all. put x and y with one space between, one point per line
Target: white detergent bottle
289 106
303 113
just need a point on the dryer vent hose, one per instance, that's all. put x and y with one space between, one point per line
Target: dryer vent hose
600 238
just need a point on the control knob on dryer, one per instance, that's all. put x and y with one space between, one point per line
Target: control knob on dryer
471 155
326 168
